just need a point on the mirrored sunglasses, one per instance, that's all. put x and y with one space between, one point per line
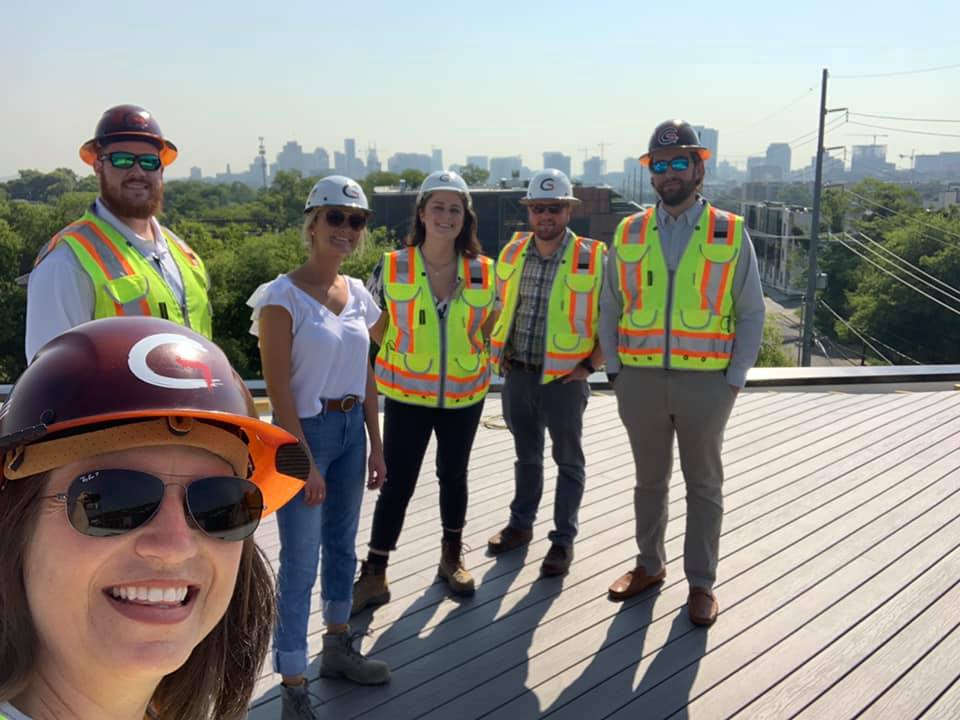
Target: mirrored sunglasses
125 160
679 164
105 503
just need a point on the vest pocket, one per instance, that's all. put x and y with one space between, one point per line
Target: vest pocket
632 252
569 342
643 318
505 270
401 292
719 254
696 319
127 289
580 282
477 297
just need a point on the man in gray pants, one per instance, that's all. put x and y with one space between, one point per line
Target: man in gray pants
544 344
681 320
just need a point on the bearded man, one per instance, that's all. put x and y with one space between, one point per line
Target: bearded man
117 259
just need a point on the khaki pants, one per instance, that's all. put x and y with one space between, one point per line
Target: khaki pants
655 404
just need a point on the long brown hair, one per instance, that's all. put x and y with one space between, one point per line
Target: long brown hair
219 676
467 242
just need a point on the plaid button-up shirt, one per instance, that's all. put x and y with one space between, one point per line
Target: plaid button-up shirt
527 341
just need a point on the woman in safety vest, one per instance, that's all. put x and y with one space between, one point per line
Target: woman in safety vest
134 474
433 367
313 327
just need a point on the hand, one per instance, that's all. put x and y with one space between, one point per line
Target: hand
315 491
578 373
377 470
735 390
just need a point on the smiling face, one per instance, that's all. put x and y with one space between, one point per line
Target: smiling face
330 231
442 216
131 193
134 605
677 188
548 220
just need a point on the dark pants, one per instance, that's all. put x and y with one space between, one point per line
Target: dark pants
406 433
529 408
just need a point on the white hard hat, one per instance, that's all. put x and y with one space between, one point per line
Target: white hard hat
443 180
549 184
338 191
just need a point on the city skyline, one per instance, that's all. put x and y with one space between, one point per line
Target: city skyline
556 78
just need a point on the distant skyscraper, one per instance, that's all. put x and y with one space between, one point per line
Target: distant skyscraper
502 168
594 169
196 173
373 162
436 159
316 163
709 137
557 161
398 162
290 157
480 161
339 162
778 155
350 149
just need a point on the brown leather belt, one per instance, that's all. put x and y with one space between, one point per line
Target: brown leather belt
344 404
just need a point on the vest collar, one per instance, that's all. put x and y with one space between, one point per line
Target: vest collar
143 246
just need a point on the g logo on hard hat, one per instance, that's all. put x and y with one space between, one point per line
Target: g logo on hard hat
670 136
187 357
445 177
351 191
547 183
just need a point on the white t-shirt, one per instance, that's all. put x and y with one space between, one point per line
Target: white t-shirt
9 712
329 352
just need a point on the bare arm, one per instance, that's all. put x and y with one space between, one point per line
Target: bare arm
371 416
276 342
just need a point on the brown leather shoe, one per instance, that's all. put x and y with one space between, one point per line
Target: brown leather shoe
510 538
634 582
557 561
702 606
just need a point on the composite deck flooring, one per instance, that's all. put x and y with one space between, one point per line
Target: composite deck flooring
839 581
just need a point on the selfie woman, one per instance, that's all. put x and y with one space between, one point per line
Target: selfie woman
134 474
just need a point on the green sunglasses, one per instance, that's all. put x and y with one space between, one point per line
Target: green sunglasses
125 160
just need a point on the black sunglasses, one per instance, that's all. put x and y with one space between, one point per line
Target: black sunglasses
335 218
104 503
125 160
552 209
678 163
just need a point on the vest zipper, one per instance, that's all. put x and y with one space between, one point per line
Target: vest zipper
668 317
442 321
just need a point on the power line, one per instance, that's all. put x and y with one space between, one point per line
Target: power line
894 74
953 293
898 278
780 110
905 119
902 130
852 329
913 218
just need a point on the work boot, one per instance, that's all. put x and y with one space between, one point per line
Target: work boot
558 559
371 587
510 538
295 701
453 570
340 660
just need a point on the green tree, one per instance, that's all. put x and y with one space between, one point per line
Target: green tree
13 300
473 175
413 177
772 352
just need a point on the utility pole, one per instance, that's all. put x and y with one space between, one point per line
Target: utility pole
810 301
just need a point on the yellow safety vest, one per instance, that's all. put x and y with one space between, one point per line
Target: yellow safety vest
425 359
125 283
683 320
572 309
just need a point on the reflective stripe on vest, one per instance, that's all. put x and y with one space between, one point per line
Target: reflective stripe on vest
702 325
425 359
572 308
124 283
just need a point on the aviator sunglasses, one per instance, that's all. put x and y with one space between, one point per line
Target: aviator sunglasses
679 164
125 160
552 209
336 218
105 503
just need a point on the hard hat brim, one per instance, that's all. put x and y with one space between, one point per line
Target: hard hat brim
168 151
703 152
541 201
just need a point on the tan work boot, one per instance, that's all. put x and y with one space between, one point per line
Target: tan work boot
371 588
453 570
340 660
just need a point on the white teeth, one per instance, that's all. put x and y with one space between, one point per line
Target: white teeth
152 595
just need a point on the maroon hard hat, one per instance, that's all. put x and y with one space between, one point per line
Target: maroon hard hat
127 122
676 134
127 373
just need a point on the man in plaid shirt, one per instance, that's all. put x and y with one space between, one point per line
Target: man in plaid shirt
544 344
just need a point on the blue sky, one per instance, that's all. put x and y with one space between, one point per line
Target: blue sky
487 77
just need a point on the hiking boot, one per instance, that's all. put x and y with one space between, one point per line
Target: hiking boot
510 538
557 561
371 587
453 570
296 703
340 660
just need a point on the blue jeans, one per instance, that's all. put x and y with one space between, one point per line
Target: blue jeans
338 443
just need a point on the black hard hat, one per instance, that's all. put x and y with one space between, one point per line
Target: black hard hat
127 122
676 134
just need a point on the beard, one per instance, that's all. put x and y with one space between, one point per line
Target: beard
679 194
124 208
551 233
